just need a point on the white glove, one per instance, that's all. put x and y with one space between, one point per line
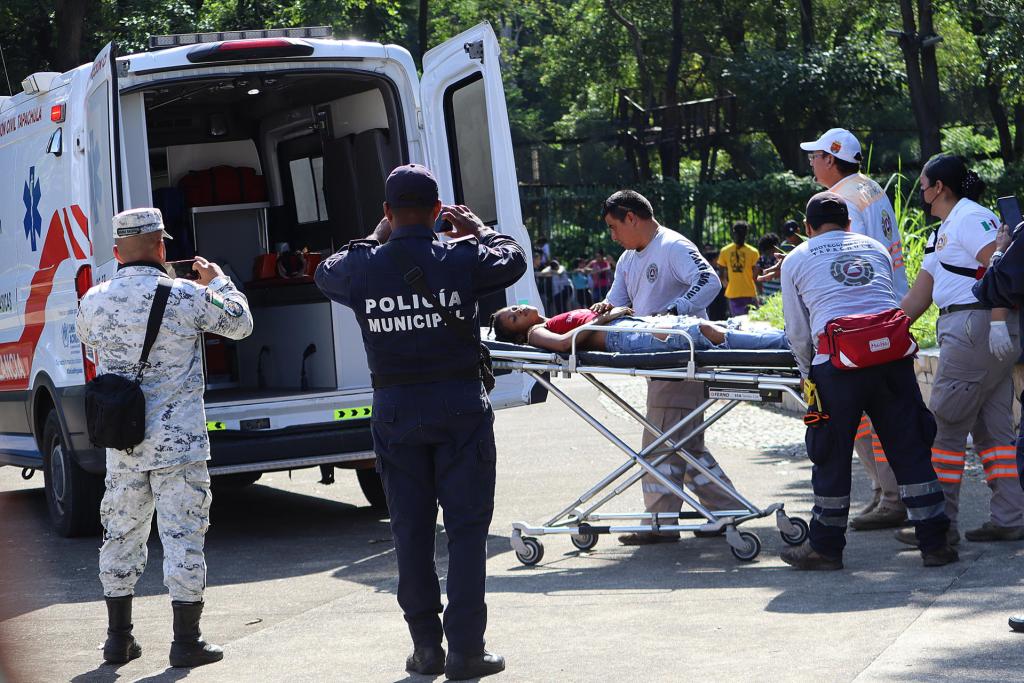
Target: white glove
999 342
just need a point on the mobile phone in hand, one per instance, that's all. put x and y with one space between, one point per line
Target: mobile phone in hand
1009 211
441 225
182 269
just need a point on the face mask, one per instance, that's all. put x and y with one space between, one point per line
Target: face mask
924 204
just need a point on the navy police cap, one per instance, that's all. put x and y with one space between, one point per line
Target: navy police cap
410 186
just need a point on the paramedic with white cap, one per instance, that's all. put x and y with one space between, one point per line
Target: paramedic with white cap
835 160
166 473
978 346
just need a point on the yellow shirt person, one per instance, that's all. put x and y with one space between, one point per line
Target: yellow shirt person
738 260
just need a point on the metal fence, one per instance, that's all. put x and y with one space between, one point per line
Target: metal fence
569 216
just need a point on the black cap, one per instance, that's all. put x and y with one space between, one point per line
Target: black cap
827 207
410 186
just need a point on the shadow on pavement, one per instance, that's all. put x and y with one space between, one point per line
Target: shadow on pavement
256 534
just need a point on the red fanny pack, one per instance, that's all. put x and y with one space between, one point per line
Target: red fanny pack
861 341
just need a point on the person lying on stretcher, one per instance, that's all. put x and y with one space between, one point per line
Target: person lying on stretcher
525 325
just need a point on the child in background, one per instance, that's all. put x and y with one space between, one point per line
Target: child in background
580 278
737 260
767 247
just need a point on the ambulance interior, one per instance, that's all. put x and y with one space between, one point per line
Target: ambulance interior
319 146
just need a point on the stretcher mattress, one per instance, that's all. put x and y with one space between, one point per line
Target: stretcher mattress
719 358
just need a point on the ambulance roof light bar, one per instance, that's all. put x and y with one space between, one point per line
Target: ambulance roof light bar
164 42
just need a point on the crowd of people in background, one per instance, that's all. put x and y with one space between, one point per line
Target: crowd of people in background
583 281
562 289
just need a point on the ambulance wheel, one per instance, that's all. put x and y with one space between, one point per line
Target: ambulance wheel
373 488
751 548
798 536
534 551
72 494
584 541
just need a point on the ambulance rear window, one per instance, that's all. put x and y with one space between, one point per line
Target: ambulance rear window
469 146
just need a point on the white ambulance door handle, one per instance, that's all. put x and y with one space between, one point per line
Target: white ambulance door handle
80 140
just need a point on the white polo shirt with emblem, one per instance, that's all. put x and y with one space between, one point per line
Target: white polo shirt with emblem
968 229
669 271
871 214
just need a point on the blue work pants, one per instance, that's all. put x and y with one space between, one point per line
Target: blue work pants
890 396
435 445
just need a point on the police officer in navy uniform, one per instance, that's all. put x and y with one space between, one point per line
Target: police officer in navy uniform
1003 286
432 422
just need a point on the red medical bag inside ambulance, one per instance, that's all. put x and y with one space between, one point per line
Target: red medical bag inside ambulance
861 341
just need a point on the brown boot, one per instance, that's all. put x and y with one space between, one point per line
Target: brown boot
882 517
807 558
648 538
872 504
988 532
940 556
910 538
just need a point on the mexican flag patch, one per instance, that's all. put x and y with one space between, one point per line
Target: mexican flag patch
215 299
989 225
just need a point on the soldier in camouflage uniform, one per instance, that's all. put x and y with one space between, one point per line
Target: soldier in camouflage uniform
167 471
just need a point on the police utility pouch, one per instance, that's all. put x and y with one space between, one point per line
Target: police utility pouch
115 407
862 341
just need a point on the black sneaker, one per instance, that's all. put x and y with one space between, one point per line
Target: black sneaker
460 668
807 558
426 660
1017 623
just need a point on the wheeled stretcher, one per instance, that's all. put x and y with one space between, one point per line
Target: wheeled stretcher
729 377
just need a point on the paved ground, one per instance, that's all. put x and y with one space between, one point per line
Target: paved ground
302 583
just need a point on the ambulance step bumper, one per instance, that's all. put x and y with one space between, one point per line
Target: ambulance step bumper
263 450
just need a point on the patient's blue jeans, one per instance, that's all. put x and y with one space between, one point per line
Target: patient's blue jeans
632 340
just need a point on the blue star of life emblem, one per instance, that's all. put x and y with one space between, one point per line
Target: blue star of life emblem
31 196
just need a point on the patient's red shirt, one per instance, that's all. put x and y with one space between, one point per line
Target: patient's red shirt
566 322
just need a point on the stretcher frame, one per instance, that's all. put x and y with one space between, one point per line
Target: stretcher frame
581 520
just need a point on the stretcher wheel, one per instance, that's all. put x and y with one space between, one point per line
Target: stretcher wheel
798 536
534 551
751 548
584 541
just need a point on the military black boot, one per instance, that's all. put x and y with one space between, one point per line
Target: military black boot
460 668
427 659
121 646
188 647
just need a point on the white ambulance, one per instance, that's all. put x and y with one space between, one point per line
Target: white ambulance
319 123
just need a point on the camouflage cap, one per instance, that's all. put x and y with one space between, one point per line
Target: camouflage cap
139 222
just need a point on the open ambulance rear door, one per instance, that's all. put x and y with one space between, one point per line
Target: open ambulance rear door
469 149
102 139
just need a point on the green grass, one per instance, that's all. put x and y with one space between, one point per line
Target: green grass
914 229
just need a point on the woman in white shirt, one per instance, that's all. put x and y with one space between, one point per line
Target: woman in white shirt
973 387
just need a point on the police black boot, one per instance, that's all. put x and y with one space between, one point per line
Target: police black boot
460 667
120 646
188 647
426 659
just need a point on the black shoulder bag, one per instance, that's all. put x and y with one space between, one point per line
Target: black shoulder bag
414 278
115 407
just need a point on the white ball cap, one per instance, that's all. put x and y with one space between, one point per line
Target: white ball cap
838 142
139 222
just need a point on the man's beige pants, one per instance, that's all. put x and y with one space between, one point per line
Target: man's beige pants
667 404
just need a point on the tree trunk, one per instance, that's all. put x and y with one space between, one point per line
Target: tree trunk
925 116
807 24
930 79
422 30
646 82
993 83
1018 136
68 17
670 150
